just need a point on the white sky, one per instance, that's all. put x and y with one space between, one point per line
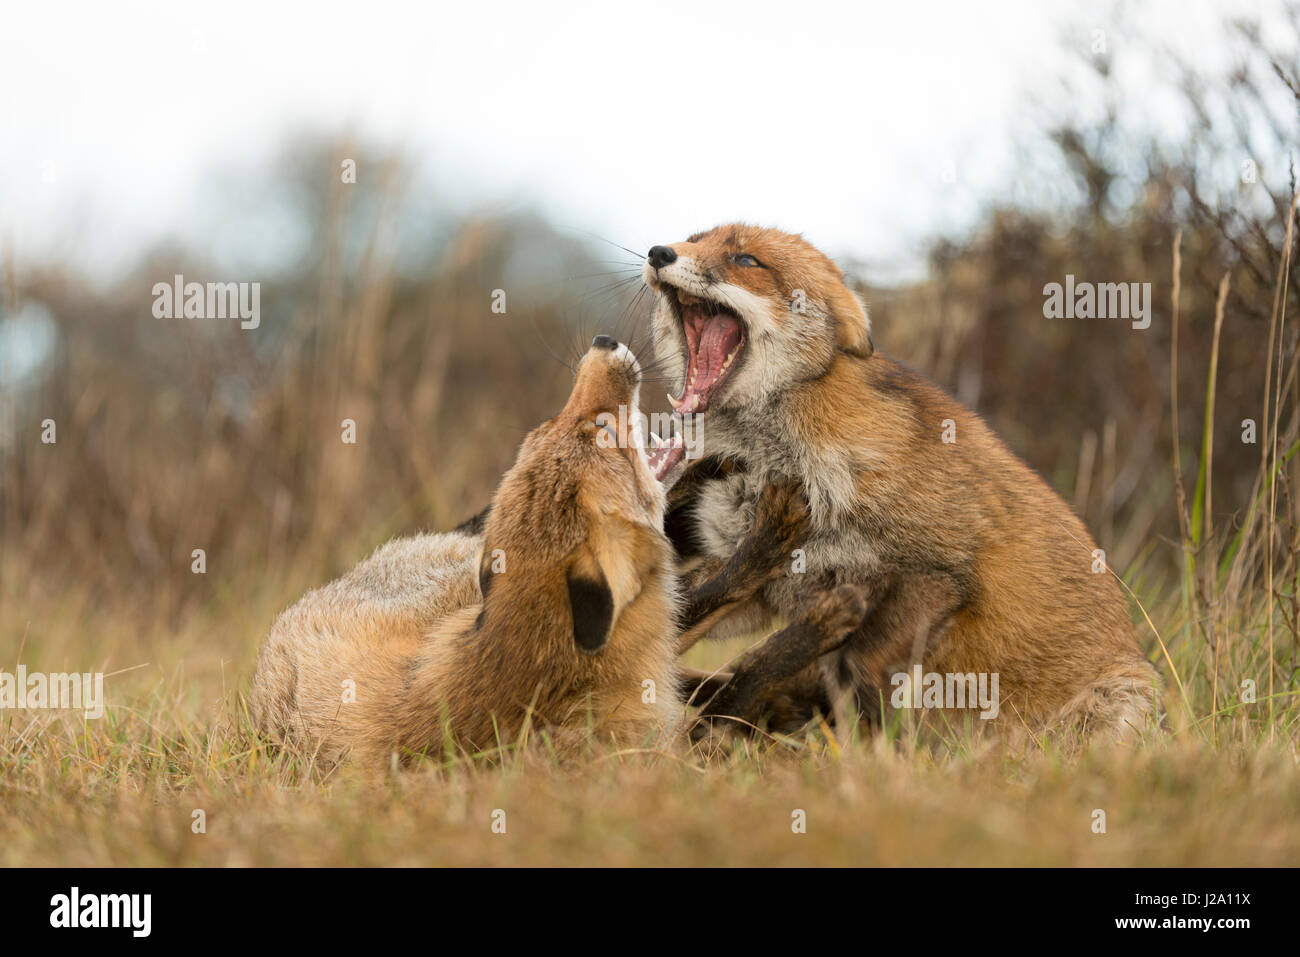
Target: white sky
638 120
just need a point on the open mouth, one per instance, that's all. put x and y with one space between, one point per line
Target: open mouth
715 346
664 454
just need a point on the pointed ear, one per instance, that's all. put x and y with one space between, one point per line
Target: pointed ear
606 574
852 324
592 604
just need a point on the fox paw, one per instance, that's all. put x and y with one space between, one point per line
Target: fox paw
840 609
781 522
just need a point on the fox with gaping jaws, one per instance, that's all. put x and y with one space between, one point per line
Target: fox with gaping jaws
950 554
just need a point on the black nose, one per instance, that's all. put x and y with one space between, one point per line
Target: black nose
661 256
604 342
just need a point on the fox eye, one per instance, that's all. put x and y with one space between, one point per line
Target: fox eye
745 259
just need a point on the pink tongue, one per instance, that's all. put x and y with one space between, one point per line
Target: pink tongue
711 338
663 459
721 335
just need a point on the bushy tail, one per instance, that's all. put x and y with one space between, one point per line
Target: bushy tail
1120 706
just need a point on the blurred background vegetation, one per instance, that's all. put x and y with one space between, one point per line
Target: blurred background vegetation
182 434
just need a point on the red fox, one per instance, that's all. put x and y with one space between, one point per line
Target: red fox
926 540
556 606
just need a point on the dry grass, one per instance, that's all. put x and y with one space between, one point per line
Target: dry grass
122 790
1173 804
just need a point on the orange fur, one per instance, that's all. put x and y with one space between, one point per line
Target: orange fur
433 660
977 564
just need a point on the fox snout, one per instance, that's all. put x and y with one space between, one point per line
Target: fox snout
743 312
660 256
609 377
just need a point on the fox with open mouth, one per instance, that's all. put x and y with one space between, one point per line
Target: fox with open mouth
915 550
551 610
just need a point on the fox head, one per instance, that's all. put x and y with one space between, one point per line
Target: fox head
574 536
743 312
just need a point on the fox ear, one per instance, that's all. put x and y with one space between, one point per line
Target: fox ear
852 324
606 574
592 604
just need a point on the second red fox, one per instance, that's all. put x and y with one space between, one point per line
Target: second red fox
965 560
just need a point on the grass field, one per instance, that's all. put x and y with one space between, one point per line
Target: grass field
124 790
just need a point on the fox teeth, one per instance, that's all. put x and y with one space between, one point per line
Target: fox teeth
686 299
675 403
655 441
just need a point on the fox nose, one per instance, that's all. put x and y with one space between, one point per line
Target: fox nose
661 256
604 342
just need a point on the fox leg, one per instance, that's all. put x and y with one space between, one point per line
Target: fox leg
695 685
905 624
824 626
781 522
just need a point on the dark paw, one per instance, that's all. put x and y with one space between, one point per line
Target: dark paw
840 610
710 733
733 703
794 703
781 521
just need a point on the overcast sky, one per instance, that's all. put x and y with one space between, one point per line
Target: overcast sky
865 125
